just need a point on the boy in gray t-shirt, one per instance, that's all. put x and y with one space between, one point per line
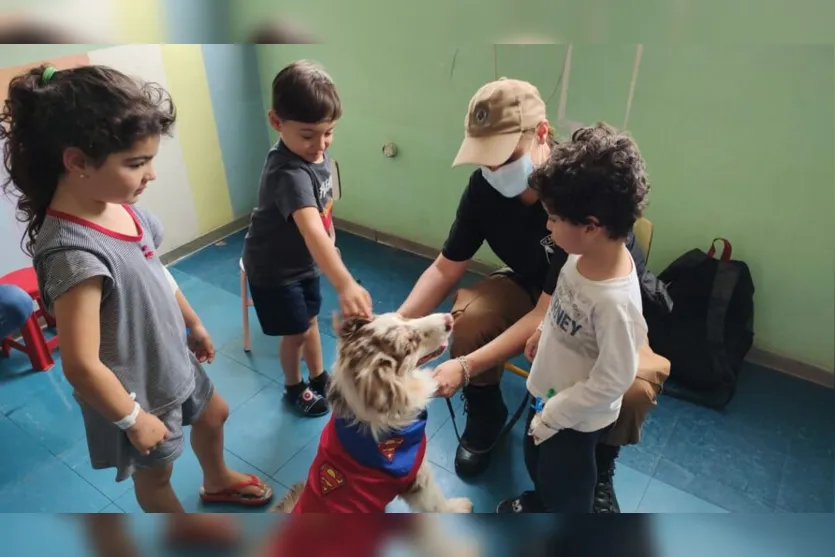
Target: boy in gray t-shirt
291 238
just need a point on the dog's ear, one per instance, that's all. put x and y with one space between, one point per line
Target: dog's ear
347 328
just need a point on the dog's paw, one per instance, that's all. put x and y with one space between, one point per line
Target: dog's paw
430 386
285 504
459 505
422 388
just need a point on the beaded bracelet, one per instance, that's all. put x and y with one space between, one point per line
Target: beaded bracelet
465 367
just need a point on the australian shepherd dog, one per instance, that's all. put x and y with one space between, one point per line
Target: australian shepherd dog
373 449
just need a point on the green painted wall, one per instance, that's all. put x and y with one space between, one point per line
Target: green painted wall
385 22
738 139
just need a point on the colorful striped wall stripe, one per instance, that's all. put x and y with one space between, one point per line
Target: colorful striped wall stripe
197 134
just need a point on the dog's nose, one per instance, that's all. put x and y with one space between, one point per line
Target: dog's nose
448 321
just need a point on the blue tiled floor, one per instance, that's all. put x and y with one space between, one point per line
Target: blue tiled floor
771 450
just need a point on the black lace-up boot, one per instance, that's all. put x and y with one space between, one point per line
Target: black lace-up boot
605 500
486 415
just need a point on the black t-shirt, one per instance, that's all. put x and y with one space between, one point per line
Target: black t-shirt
517 233
274 250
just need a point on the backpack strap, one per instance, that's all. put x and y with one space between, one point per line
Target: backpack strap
724 285
726 249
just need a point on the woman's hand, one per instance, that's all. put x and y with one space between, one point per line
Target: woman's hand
449 376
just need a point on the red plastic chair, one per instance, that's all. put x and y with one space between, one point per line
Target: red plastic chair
35 344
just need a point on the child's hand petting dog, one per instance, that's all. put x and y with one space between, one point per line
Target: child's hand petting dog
355 301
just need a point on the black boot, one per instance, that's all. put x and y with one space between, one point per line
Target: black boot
605 500
486 415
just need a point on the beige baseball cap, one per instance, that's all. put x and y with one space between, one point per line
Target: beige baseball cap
497 116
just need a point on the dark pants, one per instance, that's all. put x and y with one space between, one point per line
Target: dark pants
287 310
563 469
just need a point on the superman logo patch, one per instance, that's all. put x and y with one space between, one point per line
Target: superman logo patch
389 447
330 478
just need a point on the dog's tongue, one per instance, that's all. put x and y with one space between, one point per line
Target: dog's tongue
433 355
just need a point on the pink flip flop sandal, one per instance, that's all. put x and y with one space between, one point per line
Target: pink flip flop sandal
236 494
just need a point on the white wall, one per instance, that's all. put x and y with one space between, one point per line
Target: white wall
11 231
169 197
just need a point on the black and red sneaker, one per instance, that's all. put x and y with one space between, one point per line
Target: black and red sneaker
319 384
306 401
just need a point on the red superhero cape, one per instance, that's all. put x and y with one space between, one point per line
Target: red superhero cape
353 473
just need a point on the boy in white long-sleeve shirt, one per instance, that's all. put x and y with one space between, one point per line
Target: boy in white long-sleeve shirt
585 354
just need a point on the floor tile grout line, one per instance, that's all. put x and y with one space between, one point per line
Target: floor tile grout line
702 498
251 464
40 443
61 460
268 378
226 448
781 482
74 471
715 502
246 365
438 430
643 493
112 503
223 351
663 446
297 453
33 395
654 468
274 383
244 403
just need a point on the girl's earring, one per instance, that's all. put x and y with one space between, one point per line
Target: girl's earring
82 175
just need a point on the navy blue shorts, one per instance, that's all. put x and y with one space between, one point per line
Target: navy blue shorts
287 310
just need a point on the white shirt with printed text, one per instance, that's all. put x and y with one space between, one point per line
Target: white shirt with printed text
588 350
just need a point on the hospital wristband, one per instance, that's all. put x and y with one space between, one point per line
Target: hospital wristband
130 420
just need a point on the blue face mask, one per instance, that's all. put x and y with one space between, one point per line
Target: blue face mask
511 179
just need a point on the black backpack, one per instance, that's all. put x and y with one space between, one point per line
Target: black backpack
710 329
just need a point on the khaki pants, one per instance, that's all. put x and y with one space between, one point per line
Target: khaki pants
485 310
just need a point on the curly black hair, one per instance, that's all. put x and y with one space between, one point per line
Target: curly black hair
599 174
96 109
